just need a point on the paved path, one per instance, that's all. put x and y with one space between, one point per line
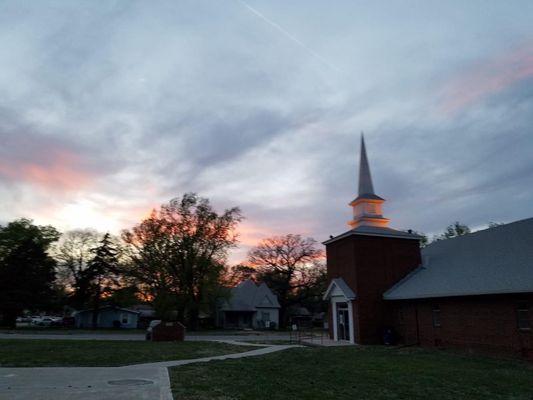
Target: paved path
84 383
134 382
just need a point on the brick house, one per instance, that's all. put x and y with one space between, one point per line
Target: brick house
473 291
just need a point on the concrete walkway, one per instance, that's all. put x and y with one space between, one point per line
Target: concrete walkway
133 382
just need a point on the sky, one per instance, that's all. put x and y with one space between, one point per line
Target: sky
109 109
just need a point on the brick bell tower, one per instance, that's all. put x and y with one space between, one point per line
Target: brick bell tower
363 263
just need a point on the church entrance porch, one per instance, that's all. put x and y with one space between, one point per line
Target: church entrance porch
343 322
341 298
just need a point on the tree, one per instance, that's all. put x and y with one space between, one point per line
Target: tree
127 295
178 254
26 270
100 276
310 294
238 273
424 240
454 230
73 253
286 264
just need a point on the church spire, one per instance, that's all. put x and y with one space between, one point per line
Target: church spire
367 205
365 179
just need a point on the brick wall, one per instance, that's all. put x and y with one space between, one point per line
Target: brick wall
479 323
370 265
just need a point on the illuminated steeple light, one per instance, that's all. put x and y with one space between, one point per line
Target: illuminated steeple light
367 205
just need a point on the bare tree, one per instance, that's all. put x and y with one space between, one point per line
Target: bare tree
237 273
286 264
73 253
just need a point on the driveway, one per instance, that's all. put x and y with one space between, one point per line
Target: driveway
133 382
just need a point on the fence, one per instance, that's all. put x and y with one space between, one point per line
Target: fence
303 331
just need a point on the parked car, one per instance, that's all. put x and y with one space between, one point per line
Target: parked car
45 321
151 326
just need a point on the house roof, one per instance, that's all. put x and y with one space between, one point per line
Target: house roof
145 310
340 284
493 261
375 231
108 308
247 296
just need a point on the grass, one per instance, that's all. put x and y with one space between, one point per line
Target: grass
58 330
344 373
103 353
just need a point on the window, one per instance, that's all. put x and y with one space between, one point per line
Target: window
125 319
436 316
522 316
265 316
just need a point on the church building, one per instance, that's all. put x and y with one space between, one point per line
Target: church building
473 291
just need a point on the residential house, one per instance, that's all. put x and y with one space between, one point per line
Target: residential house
249 306
108 317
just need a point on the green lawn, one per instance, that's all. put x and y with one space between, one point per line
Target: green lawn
92 353
372 373
53 330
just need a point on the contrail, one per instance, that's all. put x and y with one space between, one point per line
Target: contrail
288 35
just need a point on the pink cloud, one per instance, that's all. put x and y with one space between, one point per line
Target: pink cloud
62 169
488 77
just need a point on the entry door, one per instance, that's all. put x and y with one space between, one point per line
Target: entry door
343 322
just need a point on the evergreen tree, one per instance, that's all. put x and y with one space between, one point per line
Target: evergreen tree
100 277
454 230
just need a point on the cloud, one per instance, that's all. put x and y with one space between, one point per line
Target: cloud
488 77
45 162
108 111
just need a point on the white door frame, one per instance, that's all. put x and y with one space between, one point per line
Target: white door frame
342 299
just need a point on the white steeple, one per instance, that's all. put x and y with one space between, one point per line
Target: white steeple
365 179
367 205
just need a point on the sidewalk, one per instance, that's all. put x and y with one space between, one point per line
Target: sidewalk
133 382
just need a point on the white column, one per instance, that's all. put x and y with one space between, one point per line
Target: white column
351 319
334 319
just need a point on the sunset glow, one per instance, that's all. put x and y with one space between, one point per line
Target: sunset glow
489 77
110 111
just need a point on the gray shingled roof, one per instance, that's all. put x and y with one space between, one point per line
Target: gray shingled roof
107 308
375 231
492 261
247 296
342 285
